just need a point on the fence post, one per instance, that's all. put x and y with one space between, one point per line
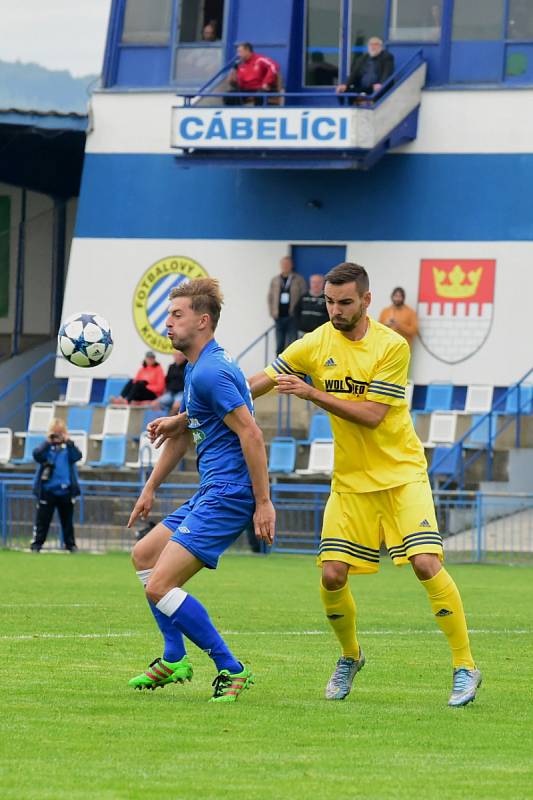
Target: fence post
479 527
3 513
490 449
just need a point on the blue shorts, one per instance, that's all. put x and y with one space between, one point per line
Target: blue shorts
211 520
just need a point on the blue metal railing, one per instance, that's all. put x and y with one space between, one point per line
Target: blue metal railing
490 420
263 337
327 95
30 393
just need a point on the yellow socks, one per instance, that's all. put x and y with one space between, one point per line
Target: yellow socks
340 611
448 610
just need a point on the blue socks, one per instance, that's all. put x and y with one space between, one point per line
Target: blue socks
174 644
189 616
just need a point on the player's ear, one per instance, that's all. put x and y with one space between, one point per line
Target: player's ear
367 299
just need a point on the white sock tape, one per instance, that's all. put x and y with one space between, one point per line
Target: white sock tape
171 601
143 575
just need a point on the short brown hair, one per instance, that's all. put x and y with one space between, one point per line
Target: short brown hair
205 295
349 273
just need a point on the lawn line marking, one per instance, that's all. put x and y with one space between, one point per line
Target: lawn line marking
29 636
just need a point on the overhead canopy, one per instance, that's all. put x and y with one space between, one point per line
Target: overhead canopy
42 151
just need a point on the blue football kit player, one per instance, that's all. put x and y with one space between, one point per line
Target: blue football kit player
234 489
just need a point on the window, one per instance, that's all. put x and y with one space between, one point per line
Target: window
368 19
147 22
5 233
322 42
415 20
469 25
201 20
520 25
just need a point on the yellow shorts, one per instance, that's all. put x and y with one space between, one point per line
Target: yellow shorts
355 525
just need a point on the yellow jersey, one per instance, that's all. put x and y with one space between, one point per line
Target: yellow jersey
373 368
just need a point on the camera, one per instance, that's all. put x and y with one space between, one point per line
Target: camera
47 472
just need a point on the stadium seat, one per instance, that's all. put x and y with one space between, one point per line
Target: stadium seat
442 429
116 421
78 390
511 401
81 441
31 441
478 399
319 428
447 462
6 445
439 397
113 387
321 455
148 454
113 452
409 389
149 415
80 418
282 456
41 415
479 438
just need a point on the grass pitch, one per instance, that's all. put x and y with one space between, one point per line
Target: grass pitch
76 628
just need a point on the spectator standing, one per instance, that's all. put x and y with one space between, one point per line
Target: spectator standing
171 398
55 485
253 73
400 317
311 309
370 70
284 293
209 31
148 383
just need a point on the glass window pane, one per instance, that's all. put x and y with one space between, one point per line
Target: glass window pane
196 65
147 21
415 20
520 25
322 42
201 20
368 19
471 25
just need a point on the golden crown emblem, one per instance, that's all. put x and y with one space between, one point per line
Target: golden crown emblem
459 284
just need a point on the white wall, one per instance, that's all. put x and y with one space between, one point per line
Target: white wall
245 269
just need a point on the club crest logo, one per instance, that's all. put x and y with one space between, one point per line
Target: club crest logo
455 306
150 299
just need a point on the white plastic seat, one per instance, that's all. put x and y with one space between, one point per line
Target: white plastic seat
78 390
409 389
148 454
116 421
41 415
478 399
320 458
6 445
442 428
81 440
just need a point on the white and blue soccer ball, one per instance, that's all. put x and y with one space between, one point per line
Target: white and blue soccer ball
85 339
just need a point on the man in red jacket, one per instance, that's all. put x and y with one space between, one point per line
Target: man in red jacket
253 73
149 382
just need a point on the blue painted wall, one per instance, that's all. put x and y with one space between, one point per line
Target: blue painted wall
404 197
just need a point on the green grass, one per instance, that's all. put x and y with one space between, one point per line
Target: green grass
71 728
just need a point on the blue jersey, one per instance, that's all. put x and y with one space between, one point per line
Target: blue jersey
214 386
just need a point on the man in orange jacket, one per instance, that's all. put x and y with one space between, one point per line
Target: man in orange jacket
400 317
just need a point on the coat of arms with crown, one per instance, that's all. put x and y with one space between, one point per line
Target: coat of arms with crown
455 306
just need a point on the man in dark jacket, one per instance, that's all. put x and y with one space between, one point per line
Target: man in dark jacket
370 70
55 485
171 398
311 308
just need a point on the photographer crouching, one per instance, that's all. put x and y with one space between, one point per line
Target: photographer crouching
55 485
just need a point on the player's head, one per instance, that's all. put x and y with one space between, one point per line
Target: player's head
347 295
194 311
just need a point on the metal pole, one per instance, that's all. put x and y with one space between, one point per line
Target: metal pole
58 261
19 289
479 527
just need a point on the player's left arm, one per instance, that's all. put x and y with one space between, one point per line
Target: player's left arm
386 389
241 422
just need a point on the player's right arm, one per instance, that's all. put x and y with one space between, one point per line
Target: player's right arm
171 455
260 384
164 428
293 361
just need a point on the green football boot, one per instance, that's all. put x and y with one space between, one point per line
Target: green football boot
161 672
228 686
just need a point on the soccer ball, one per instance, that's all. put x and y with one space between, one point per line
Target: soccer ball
85 339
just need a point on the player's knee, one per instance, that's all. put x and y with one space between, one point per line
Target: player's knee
138 557
155 590
333 575
425 565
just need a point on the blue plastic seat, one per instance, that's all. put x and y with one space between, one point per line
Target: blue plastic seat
319 428
31 441
447 462
113 452
80 418
439 397
526 400
479 438
113 387
149 415
282 456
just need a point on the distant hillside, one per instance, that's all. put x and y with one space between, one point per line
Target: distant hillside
29 86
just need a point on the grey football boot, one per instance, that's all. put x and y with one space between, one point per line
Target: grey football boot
465 686
340 683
